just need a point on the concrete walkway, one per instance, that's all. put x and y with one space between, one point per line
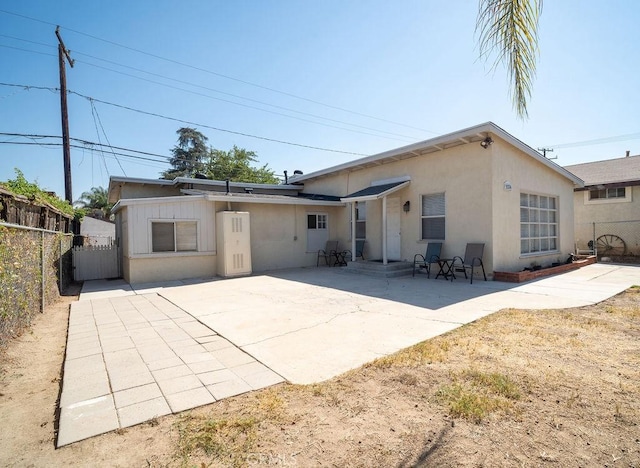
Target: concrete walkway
134 353
131 358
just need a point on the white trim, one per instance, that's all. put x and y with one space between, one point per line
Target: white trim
149 201
466 136
273 201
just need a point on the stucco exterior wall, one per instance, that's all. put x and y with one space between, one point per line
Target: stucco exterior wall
279 234
463 173
169 267
525 175
128 191
608 211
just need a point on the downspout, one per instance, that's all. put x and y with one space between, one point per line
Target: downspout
384 230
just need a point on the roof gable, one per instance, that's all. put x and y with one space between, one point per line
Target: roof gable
475 134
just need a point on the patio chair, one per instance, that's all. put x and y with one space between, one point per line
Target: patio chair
328 253
359 250
432 255
472 259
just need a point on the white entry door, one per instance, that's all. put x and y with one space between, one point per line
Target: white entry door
393 228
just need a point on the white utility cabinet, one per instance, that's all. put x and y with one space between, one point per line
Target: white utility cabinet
233 239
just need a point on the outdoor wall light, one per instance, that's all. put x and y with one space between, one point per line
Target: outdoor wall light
486 142
407 206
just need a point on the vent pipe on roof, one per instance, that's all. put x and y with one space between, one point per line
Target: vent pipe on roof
286 178
228 190
628 153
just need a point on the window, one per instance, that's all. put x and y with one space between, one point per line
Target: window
604 194
538 223
170 236
361 220
433 216
316 221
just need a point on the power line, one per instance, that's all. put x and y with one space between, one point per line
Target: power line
597 141
175 119
238 80
188 122
403 137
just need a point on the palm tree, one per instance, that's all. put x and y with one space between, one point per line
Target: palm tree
97 201
510 29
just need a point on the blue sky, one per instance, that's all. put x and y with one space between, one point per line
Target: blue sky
350 76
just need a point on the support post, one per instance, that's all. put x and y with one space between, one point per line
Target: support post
353 231
66 147
384 230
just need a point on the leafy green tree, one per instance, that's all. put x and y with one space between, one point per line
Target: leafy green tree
235 165
188 154
95 202
510 29
21 186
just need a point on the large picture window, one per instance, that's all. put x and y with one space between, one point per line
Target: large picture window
538 224
174 236
433 217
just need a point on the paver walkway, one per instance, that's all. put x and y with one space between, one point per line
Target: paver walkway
135 357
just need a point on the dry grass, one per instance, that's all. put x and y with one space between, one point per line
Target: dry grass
560 385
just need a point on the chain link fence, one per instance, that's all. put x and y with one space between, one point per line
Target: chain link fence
35 267
615 241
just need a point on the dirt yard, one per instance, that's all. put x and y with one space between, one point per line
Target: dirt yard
517 388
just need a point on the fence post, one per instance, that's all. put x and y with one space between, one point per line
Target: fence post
595 246
42 271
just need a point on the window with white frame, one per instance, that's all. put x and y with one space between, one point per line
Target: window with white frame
174 236
433 216
317 221
538 223
361 220
607 193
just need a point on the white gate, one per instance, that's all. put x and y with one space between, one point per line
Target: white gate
96 262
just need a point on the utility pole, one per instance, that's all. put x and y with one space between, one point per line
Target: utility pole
544 152
66 148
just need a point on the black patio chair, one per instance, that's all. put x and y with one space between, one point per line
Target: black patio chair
472 259
432 255
328 253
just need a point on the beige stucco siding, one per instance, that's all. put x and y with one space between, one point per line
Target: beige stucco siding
167 268
279 233
611 212
463 173
525 175
130 191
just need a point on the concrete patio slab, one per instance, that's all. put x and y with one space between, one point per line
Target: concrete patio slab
311 324
154 349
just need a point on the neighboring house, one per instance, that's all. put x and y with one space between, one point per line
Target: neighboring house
479 184
97 232
608 206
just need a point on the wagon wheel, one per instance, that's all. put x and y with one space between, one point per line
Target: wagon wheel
610 244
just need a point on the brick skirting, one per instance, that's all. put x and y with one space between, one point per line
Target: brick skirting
522 276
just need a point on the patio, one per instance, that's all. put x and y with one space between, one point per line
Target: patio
134 353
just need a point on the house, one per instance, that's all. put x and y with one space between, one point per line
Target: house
607 207
97 231
479 184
